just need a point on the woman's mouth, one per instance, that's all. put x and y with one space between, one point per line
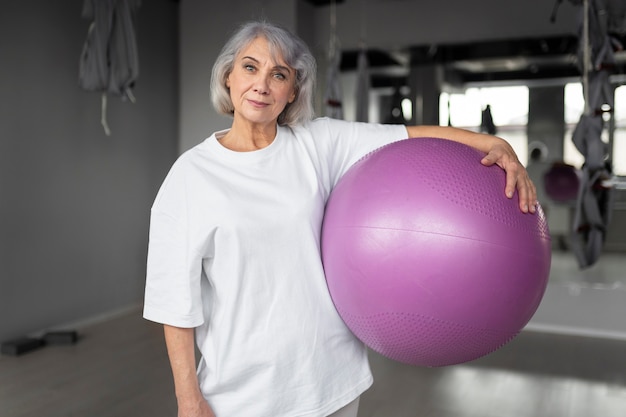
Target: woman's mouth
258 104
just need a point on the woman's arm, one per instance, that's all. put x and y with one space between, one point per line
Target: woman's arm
182 355
498 151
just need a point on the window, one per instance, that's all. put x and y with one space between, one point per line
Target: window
509 109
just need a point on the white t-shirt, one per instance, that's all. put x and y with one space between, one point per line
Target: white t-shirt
235 252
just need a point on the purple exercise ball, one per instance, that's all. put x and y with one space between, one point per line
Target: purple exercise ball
426 260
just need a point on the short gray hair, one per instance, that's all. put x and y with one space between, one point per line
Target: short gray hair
294 52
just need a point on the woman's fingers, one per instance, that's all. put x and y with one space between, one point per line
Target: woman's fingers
516 178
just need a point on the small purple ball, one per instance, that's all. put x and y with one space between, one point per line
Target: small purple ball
561 183
426 260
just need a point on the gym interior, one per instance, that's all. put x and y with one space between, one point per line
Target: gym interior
79 173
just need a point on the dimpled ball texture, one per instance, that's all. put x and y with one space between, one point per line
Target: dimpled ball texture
426 260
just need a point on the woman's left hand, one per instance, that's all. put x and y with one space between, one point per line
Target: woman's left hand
503 155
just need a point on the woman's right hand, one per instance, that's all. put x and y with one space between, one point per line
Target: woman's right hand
181 352
195 409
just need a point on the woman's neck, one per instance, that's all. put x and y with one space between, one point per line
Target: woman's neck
248 137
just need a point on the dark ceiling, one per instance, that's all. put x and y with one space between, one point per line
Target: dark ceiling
544 58
503 60
323 2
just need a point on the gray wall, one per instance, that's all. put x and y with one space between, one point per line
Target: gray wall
74 203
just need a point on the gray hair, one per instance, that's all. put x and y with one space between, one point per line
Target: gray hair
282 43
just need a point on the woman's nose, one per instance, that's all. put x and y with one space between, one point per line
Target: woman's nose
261 85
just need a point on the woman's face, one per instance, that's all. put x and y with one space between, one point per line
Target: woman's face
260 87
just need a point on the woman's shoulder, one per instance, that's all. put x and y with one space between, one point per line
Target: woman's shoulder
320 126
190 163
197 151
325 121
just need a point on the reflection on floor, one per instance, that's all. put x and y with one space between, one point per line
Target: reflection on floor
589 302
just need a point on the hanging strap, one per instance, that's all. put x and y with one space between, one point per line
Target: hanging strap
103 115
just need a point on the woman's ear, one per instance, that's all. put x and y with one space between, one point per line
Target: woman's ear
227 81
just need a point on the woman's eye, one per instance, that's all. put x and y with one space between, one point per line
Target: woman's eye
248 67
280 76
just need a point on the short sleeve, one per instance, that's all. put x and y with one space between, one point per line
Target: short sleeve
174 265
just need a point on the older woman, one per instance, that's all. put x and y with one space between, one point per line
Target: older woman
234 255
